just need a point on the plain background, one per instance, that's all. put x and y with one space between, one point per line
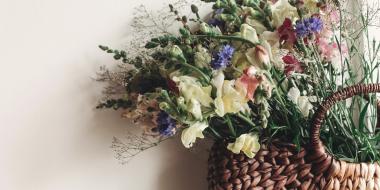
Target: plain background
51 136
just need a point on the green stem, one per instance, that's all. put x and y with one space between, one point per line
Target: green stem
222 37
229 123
246 119
206 78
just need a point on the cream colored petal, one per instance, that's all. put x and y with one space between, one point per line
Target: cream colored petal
189 135
217 81
194 108
257 25
247 143
304 105
293 95
249 33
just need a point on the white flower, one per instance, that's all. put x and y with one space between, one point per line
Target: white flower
283 9
274 55
194 108
217 81
190 88
302 102
293 95
189 135
270 40
249 33
247 143
304 105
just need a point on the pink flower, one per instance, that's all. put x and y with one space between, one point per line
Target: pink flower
287 33
327 50
330 50
249 82
332 14
291 65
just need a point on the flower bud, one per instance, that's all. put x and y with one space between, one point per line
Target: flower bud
205 28
262 56
184 19
175 51
194 8
181 103
184 32
227 17
164 106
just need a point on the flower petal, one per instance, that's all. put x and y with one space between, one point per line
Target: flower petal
189 135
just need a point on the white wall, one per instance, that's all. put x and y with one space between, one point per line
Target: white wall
51 138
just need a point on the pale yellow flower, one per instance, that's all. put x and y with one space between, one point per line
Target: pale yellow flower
302 102
283 9
257 25
190 135
229 99
233 99
249 33
190 88
246 143
240 61
194 107
272 38
274 54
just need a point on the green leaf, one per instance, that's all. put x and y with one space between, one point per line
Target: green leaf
362 117
151 45
104 48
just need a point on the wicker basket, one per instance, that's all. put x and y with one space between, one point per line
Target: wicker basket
280 166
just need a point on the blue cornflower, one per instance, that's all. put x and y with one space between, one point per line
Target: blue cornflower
315 24
165 124
223 58
308 26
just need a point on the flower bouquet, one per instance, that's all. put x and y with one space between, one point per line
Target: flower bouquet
267 80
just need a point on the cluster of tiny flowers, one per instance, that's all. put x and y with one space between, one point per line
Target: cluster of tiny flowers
223 58
165 124
308 26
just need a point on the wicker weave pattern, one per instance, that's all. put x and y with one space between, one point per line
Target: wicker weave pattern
281 166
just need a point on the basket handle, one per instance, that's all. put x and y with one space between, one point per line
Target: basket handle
360 89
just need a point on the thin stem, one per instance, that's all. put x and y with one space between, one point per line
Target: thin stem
183 61
246 119
222 37
230 126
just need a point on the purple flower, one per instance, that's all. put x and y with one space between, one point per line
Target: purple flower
214 21
223 58
165 124
308 26
315 24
